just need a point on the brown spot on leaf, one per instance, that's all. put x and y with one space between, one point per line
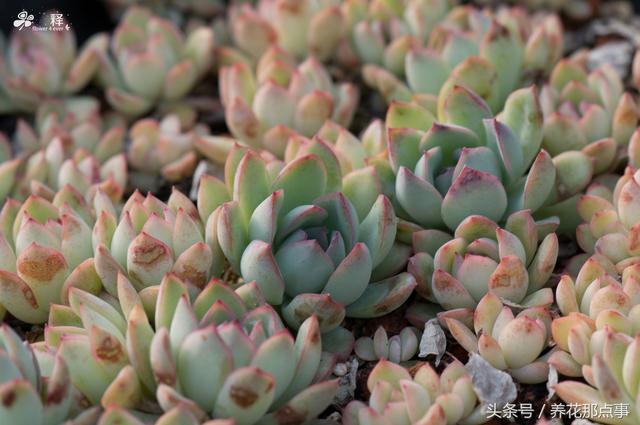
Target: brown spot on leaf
146 254
243 396
287 415
8 399
193 275
110 349
41 269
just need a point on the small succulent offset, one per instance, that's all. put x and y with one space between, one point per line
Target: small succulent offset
28 397
514 262
611 379
303 28
468 163
587 112
510 342
152 62
600 314
305 96
70 144
41 243
489 54
162 148
302 242
398 398
226 355
612 220
39 65
398 348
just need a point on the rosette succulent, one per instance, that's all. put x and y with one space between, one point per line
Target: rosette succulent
225 355
39 65
150 62
513 263
70 144
29 395
426 398
162 148
587 112
600 313
302 28
468 163
305 96
611 380
491 55
382 33
304 243
41 243
398 348
612 221
150 239
510 342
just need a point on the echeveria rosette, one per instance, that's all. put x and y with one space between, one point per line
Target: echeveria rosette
224 355
511 342
70 144
469 48
305 94
40 65
397 348
151 62
41 243
469 163
383 33
600 313
302 28
588 112
32 394
425 398
611 378
147 240
303 242
162 148
612 220
514 262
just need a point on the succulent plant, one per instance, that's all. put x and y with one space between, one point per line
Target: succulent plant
27 397
467 163
41 243
225 355
612 221
426 398
70 144
611 380
305 244
514 262
398 348
587 112
150 239
162 148
382 33
599 312
303 28
469 48
151 61
39 65
510 342
306 97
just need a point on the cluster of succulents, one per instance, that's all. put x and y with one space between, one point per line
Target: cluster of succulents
305 94
309 232
71 143
489 54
